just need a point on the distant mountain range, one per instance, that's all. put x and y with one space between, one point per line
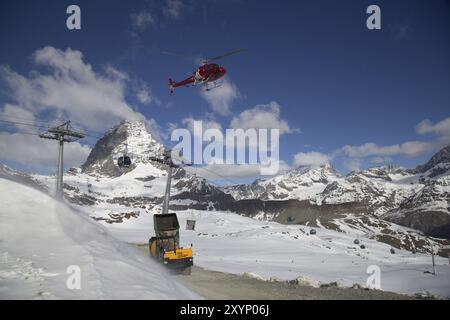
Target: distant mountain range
417 198
391 204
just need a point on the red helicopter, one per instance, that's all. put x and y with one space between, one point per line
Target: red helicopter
208 73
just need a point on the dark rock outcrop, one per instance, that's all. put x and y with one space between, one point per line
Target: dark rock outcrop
441 157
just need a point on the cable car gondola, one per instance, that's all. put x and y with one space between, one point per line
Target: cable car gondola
124 162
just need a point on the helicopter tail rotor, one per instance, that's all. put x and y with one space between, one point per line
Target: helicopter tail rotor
171 85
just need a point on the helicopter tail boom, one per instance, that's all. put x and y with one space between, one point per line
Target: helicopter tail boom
187 82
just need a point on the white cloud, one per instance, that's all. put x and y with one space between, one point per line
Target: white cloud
71 89
142 20
68 89
229 172
220 99
311 159
410 149
353 155
381 160
154 128
262 117
143 92
20 116
173 8
188 123
206 124
31 150
353 164
116 74
171 126
441 128
16 112
145 95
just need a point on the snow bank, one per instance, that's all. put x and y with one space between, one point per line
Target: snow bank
228 242
40 238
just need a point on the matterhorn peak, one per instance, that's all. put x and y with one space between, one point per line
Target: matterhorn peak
130 138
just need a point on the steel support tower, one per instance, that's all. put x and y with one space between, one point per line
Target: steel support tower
167 160
62 133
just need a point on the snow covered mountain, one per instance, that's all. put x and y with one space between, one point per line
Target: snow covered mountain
369 206
378 189
100 181
429 208
368 201
302 183
129 137
417 198
439 164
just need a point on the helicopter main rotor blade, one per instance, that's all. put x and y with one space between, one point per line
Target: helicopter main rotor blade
225 55
191 59
172 54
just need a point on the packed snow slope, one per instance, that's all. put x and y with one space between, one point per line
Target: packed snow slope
41 237
227 242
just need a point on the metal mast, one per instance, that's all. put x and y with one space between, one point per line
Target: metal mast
167 160
62 133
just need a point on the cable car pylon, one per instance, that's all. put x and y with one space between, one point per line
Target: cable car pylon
167 160
62 133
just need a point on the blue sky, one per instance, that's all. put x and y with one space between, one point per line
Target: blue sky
349 96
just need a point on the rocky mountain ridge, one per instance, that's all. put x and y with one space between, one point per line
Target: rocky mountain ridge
374 201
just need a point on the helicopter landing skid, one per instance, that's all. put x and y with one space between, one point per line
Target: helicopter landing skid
216 84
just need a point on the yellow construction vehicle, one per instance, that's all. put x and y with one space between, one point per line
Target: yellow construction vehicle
165 246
